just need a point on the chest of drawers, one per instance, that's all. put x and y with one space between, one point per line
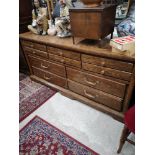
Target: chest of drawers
97 77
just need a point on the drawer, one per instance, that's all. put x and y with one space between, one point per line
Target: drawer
96 95
65 60
103 84
115 64
52 78
64 53
107 71
48 66
35 52
34 45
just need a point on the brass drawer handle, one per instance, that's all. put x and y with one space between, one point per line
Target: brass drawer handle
42 66
60 53
89 95
47 78
33 52
102 72
91 83
62 60
102 63
31 45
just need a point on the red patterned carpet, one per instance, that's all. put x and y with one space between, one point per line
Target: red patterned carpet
39 137
31 95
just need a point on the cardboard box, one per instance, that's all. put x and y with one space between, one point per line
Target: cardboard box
126 43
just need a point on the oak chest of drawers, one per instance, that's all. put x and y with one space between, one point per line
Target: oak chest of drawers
97 77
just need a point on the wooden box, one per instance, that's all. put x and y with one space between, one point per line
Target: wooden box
92 23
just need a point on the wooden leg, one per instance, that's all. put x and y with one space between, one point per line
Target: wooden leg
123 138
73 39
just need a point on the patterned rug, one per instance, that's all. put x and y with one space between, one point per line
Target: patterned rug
39 137
31 95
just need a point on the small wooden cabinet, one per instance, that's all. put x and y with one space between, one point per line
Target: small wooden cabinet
92 23
95 76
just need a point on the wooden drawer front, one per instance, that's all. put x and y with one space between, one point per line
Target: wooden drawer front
119 65
64 53
65 60
48 66
52 78
34 45
103 84
96 95
35 52
107 71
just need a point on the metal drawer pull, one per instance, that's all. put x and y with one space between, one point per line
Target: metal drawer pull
89 95
91 83
31 45
102 72
34 52
44 66
62 60
103 63
47 78
61 53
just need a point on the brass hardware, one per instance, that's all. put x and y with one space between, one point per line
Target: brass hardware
34 52
47 78
61 53
91 83
62 60
31 45
102 72
44 66
89 95
102 63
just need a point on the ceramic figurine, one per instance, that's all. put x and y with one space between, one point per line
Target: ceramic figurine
39 18
62 23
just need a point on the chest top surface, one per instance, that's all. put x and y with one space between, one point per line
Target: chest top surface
78 6
82 46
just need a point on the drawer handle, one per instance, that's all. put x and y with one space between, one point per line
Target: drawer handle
62 60
47 78
60 53
89 95
102 63
91 83
34 52
102 72
42 66
32 46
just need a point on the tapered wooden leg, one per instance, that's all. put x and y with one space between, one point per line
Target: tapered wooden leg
123 138
73 39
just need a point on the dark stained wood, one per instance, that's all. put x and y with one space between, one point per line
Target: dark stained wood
65 60
64 53
25 15
83 47
110 84
129 92
110 63
107 71
123 138
103 84
52 78
92 23
96 95
47 66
